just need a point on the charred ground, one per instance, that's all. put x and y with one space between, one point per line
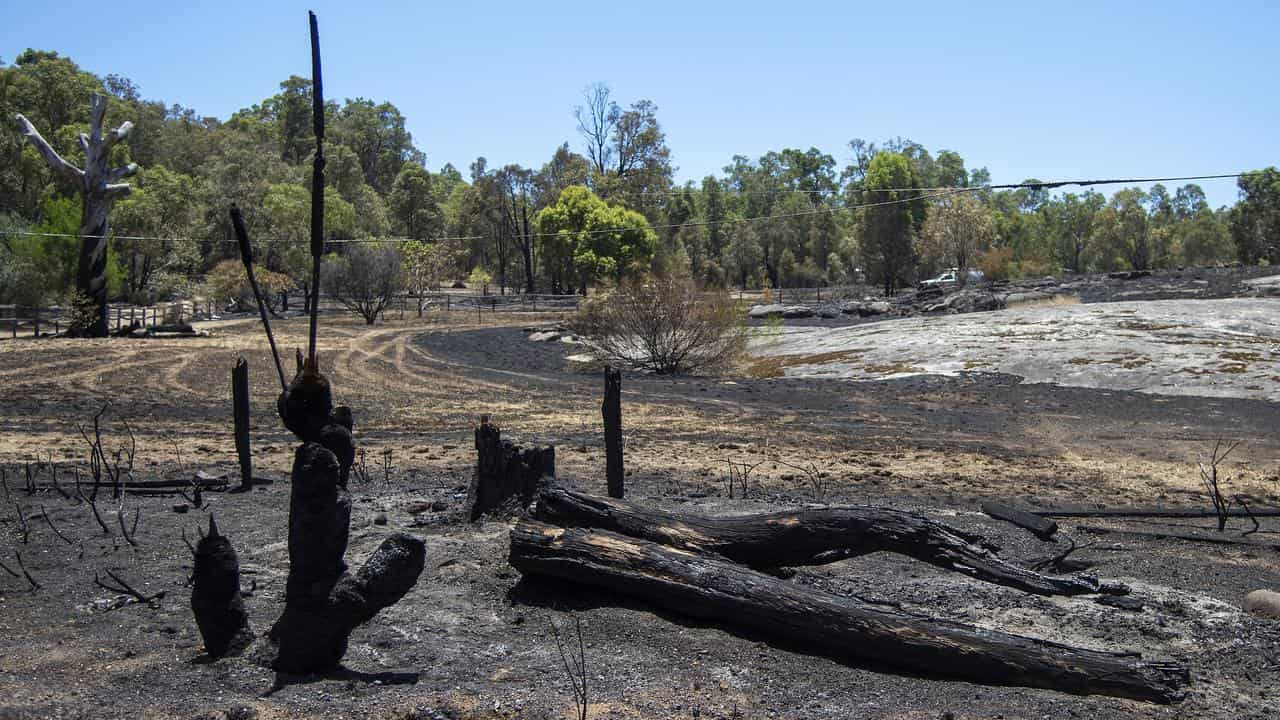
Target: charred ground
480 639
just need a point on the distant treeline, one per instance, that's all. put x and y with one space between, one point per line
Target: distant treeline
789 218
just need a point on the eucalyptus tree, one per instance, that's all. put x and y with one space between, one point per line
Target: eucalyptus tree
99 186
889 221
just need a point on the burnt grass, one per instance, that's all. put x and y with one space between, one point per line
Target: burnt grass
472 640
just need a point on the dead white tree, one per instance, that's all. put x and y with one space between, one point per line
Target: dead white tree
99 186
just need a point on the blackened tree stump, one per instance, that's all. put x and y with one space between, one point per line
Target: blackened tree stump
323 602
507 475
707 587
215 596
811 537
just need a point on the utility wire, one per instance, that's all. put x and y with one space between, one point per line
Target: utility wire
1038 184
288 241
932 194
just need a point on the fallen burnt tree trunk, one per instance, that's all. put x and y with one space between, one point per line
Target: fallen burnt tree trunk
1153 512
811 537
703 586
1032 523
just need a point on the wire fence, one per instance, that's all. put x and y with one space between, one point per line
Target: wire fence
38 320
47 320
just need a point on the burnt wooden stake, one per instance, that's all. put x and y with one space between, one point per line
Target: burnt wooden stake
240 404
611 409
507 475
317 181
710 588
215 595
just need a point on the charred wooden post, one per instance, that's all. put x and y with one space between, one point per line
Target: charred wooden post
611 409
215 596
240 409
811 537
317 181
99 187
507 475
707 587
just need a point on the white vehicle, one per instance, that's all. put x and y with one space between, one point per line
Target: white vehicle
952 276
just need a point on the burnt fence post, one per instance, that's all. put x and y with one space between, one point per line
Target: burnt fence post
240 406
611 409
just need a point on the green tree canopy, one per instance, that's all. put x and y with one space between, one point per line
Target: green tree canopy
584 239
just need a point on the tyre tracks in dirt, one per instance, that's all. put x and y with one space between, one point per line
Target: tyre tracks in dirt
402 344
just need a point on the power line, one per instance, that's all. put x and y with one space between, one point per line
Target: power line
933 194
1128 181
1046 184
938 193
288 241
815 211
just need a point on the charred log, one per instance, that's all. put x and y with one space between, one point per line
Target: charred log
811 537
703 586
1032 523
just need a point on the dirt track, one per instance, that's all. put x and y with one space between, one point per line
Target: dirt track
480 639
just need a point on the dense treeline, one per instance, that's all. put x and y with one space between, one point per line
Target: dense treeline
578 220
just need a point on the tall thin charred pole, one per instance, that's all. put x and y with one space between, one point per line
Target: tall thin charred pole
317 183
246 257
611 409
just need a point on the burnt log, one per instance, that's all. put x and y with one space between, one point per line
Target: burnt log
1155 512
811 537
215 596
507 475
703 586
1032 523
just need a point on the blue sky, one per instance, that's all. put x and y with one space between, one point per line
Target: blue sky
1061 90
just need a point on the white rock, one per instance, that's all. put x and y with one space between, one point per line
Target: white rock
1263 603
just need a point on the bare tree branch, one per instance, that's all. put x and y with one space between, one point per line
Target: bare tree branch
124 588
68 171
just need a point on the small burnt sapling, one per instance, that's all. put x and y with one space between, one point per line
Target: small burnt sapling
215 596
323 602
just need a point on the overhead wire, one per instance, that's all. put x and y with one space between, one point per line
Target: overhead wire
1048 184
933 193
